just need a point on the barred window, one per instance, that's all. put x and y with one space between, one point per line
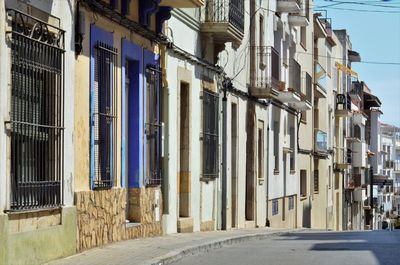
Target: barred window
316 181
104 126
291 202
153 126
303 183
37 113
275 207
210 134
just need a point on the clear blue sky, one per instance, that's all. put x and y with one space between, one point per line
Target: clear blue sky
376 36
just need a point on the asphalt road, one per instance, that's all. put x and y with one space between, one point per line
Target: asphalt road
308 248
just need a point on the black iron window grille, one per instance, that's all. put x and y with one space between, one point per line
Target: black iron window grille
104 116
210 134
153 126
309 88
37 113
295 76
343 101
223 11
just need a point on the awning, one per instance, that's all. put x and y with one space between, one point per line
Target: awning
354 56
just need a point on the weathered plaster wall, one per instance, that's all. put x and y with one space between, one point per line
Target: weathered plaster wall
40 238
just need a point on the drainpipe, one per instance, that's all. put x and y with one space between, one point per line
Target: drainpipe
371 192
267 223
227 83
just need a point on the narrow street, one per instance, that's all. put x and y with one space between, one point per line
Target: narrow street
308 248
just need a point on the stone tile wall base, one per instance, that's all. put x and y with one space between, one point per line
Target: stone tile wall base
207 226
102 216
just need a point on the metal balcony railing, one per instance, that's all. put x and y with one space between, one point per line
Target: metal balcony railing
321 141
295 76
267 66
226 11
307 91
349 157
343 102
389 164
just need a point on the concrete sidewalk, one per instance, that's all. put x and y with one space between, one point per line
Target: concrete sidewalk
165 249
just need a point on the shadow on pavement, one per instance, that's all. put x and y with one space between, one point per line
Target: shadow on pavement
383 244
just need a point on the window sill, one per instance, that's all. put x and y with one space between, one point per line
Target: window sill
302 198
292 172
49 209
276 172
207 179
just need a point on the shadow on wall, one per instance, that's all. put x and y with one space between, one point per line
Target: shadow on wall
379 243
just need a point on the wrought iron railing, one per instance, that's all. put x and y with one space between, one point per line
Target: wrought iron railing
37 113
343 102
308 87
267 67
210 134
104 125
295 76
226 11
349 156
321 141
153 126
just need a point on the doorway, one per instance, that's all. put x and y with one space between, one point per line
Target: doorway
234 135
184 151
133 136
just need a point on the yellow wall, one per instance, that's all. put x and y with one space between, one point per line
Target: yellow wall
82 92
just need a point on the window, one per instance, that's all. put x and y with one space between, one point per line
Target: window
276 145
104 125
303 37
291 202
261 28
303 183
292 147
153 126
210 134
260 155
316 181
36 116
275 207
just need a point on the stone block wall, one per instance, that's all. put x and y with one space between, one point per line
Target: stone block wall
101 215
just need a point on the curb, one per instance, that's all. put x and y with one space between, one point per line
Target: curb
178 254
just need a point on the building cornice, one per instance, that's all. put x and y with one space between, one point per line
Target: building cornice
186 19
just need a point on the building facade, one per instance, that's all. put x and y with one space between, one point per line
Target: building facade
134 118
37 212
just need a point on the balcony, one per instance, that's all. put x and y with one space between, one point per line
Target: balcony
182 3
224 20
343 105
396 167
359 154
347 159
389 164
300 83
265 82
298 20
320 81
288 6
321 142
292 93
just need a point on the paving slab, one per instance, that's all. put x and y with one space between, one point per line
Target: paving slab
165 249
